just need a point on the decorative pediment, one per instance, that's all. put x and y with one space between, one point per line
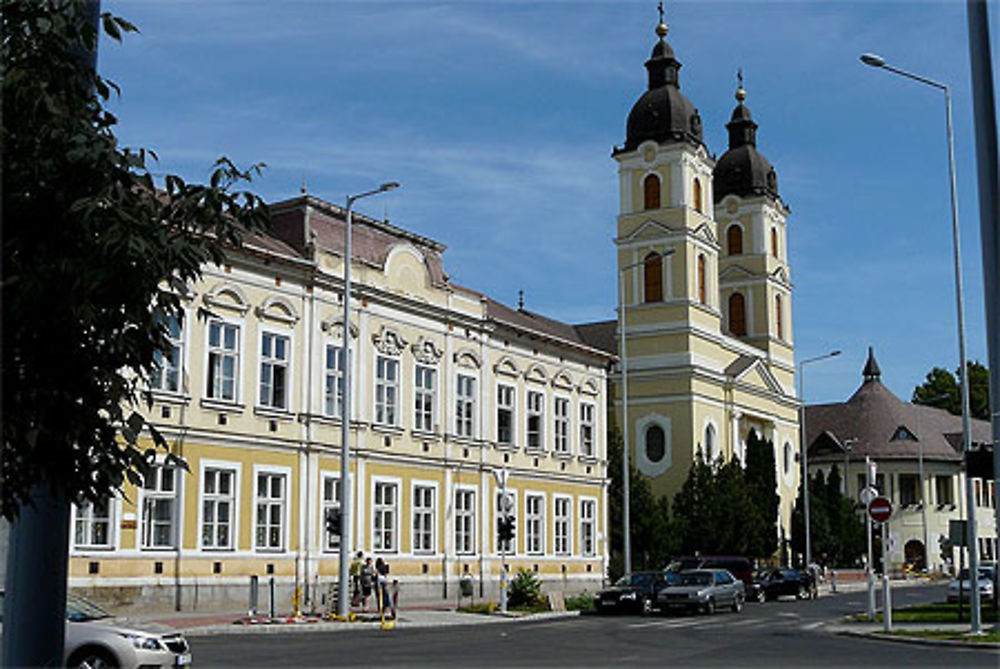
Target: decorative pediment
536 373
752 371
735 273
227 296
335 327
388 342
648 229
562 379
466 357
707 233
506 366
426 351
589 387
781 275
278 309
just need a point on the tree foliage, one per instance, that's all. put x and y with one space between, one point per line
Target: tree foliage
96 257
941 389
762 480
837 532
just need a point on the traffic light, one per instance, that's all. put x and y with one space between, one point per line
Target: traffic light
505 528
333 522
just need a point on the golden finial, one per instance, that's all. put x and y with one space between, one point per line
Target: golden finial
741 94
661 27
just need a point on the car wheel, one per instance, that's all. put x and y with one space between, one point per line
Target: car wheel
647 606
710 607
93 658
761 596
803 592
737 604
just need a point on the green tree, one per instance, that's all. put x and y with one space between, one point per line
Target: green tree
693 508
837 533
941 389
762 481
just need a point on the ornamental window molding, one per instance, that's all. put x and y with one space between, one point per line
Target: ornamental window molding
278 309
466 357
389 342
506 367
562 379
426 352
589 387
536 373
335 328
227 296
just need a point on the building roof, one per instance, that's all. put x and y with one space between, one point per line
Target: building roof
532 323
600 335
743 170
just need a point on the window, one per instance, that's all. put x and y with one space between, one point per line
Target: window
587 430
274 351
977 486
734 240
902 434
698 206
465 521
223 360
561 410
386 390
787 459
536 408
562 521
651 192
656 443
217 507
465 404
93 525
333 390
779 325
423 519
702 291
909 489
774 242
588 527
942 490
710 442
737 315
331 508
270 506
505 415
534 524
424 382
506 546
159 507
167 366
384 537
652 276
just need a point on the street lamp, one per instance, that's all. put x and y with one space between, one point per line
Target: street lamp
874 60
343 599
626 478
848 446
803 446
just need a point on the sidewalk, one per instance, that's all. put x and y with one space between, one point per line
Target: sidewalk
876 630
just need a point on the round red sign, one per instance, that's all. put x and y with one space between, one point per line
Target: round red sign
880 509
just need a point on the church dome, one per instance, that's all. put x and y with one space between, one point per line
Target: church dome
662 114
743 170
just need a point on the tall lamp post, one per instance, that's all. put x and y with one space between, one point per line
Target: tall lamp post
803 446
874 60
626 477
343 598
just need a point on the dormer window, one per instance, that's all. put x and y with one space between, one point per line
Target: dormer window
903 434
651 192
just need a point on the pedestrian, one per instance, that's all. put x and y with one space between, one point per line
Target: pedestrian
382 584
367 582
355 574
395 597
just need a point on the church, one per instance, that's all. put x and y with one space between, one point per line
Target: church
705 292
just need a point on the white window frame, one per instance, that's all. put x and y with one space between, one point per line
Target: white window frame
379 513
497 547
285 504
561 412
587 429
562 525
174 367
465 512
85 520
508 405
588 526
211 389
330 545
534 523
333 378
421 511
156 495
425 383
268 366
537 412
235 468
387 391
465 404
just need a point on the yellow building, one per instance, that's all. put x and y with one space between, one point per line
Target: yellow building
702 257
449 388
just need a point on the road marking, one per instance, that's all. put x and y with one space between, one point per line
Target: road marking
654 623
787 614
811 626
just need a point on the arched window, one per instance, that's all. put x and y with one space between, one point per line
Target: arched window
734 240
656 443
651 191
702 293
697 197
788 458
777 317
774 242
710 443
737 315
652 270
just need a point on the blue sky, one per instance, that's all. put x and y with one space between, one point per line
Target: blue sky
498 118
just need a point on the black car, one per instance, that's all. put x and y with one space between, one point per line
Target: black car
635 593
775 582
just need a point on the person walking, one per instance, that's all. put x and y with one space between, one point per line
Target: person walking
367 582
355 574
382 585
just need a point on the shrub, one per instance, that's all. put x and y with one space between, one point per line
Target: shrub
525 590
583 601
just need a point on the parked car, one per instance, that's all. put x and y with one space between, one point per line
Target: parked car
703 590
962 584
738 566
635 593
776 582
95 638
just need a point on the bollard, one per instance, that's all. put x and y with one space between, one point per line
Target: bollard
270 596
254 593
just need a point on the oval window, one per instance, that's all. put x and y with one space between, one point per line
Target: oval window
655 443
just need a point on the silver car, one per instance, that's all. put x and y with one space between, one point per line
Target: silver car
703 590
95 638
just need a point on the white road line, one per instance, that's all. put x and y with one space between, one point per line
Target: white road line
811 626
786 614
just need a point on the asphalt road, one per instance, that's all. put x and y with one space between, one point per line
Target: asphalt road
784 633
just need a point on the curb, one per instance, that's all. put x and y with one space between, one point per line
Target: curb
882 636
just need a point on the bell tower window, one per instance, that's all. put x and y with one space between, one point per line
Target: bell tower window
697 197
651 192
779 325
774 242
734 240
737 315
702 293
652 271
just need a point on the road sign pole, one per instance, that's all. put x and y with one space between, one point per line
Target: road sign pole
870 571
886 590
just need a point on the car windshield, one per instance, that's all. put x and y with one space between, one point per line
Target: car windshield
79 610
695 578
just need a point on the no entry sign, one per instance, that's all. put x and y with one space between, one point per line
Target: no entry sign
880 509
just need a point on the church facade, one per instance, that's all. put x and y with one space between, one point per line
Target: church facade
705 292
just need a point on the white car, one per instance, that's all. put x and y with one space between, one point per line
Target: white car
986 576
95 638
